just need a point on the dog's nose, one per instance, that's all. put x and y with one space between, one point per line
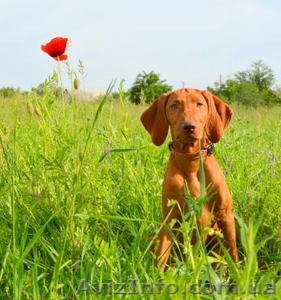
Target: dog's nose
188 126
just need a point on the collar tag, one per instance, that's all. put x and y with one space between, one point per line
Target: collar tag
210 149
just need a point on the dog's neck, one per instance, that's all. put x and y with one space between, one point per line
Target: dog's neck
190 147
192 151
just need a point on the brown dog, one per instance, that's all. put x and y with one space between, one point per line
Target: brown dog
197 119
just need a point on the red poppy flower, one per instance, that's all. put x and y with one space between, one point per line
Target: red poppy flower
56 48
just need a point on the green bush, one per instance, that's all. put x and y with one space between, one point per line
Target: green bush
148 87
248 94
251 87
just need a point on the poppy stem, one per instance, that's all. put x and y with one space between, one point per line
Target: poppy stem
60 80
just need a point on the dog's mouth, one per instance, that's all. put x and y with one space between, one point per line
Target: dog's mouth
188 135
187 138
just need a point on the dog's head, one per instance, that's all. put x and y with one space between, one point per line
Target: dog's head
189 113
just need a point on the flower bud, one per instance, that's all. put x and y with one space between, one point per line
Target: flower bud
76 83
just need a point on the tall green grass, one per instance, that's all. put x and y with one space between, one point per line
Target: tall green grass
80 191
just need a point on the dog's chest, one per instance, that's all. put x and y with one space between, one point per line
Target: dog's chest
187 172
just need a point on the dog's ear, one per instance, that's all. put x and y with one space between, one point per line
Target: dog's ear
220 115
155 121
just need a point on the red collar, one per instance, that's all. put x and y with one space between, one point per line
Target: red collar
206 151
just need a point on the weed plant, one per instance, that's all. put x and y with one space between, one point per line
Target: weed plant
80 193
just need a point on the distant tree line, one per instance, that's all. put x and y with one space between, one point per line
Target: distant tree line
251 87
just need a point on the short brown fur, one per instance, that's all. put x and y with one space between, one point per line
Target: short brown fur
195 118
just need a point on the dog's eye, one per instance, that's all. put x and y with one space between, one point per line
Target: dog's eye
174 106
199 104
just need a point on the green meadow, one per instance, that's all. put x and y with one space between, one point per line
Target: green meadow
80 193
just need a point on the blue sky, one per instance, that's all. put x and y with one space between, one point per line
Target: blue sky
193 42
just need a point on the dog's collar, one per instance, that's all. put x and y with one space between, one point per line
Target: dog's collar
206 151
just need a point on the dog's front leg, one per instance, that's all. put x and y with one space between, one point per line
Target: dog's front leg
172 215
173 207
227 226
164 248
